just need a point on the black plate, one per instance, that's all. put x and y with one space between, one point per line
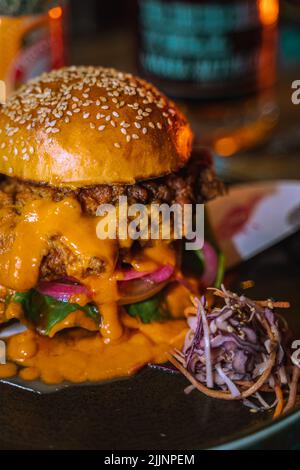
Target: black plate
150 410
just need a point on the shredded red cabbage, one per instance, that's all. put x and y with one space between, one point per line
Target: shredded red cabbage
238 350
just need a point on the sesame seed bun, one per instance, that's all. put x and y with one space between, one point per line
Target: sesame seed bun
82 126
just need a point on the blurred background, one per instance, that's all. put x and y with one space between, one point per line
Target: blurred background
230 65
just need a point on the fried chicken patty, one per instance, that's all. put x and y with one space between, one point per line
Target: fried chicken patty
195 183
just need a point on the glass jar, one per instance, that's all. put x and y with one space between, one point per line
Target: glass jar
218 60
205 49
32 39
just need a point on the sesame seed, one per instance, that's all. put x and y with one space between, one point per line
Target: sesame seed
125 124
61 93
101 128
117 145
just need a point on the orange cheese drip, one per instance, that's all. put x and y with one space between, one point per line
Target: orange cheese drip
151 258
41 220
80 356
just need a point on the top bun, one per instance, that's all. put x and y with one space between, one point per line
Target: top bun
82 126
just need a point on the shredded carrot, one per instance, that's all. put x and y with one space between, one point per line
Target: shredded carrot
247 284
263 303
280 402
293 390
271 304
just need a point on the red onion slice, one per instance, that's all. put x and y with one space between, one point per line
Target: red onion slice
131 274
210 265
160 275
62 291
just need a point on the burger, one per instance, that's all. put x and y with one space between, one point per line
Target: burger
70 141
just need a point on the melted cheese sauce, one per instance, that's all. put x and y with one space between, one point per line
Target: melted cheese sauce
41 220
79 353
78 356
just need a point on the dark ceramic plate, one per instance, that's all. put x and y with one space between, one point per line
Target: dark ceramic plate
150 410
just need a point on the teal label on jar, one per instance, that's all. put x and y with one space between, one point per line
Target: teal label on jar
199 42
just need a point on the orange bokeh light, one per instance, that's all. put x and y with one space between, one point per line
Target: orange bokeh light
226 146
55 13
268 11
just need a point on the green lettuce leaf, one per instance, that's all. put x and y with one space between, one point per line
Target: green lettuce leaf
45 311
150 310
